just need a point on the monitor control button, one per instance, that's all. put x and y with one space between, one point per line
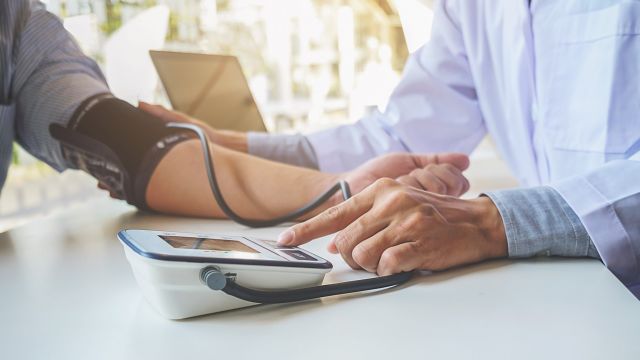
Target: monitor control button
299 255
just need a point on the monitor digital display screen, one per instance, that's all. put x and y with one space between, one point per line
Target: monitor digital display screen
186 242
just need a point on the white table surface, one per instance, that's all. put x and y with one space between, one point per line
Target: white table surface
67 292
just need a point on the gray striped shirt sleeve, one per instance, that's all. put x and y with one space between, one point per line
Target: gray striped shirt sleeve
48 76
13 17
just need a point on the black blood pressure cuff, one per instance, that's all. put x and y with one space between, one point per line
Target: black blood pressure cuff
116 143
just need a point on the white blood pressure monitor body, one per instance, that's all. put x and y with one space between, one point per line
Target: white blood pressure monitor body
168 267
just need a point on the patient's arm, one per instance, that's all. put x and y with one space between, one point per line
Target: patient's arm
253 187
138 158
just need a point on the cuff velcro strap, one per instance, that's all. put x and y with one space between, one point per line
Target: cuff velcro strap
118 144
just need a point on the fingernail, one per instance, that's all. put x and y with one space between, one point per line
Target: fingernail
286 237
331 247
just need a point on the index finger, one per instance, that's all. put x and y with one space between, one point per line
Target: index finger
329 221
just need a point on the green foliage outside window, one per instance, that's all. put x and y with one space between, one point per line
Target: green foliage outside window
14 154
114 13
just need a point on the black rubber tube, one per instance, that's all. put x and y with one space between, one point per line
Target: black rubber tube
287 296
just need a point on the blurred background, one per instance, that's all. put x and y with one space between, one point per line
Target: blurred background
310 64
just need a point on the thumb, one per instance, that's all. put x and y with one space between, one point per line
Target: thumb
459 160
163 113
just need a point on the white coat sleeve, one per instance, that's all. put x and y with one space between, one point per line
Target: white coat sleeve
607 201
434 107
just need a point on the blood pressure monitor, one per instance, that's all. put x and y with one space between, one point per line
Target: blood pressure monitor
184 275
171 269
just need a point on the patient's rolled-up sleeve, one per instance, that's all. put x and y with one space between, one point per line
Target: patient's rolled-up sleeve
294 149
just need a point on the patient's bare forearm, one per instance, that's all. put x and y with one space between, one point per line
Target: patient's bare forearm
253 187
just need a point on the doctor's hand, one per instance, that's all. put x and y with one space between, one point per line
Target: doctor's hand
440 173
234 140
390 227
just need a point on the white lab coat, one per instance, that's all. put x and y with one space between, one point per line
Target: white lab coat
559 92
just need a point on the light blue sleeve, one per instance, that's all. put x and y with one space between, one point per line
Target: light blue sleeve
539 222
595 215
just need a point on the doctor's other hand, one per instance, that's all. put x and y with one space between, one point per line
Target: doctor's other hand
234 140
391 227
439 173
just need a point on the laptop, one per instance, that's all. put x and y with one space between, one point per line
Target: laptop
209 87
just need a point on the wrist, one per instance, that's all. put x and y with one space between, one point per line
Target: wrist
329 181
234 140
320 186
489 221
